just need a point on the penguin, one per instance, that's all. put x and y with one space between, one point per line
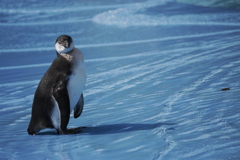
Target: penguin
60 90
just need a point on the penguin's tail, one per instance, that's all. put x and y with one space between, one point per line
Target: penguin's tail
31 133
33 129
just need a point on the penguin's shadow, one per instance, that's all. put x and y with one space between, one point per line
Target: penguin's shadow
120 128
116 128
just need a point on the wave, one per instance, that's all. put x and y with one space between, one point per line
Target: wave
44 22
131 16
19 83
214 3
25 66
121 43
58 10
116 18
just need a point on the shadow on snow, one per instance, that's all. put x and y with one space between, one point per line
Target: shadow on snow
115 128
119 128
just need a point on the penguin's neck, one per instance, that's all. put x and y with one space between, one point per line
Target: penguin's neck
71 56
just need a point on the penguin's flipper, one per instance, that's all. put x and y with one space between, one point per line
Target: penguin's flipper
79 107
60 94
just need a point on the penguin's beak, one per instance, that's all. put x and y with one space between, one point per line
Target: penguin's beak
64 44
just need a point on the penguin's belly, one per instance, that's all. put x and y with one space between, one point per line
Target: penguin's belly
76 84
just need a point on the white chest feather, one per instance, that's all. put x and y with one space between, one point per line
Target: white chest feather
77 80
76 84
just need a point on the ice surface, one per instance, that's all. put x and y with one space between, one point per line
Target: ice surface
155 70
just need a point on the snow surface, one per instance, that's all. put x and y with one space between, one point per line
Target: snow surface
155 70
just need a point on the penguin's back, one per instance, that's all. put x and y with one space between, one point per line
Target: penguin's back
43 103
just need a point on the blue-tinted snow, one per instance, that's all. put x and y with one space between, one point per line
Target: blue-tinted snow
155 70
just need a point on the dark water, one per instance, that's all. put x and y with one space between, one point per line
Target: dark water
155 70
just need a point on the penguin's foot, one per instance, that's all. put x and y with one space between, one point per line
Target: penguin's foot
74 130
71 130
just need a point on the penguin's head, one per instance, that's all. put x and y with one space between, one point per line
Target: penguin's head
64 44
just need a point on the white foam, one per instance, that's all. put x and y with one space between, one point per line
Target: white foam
123 139
58 10
130 16
126 16
135 149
